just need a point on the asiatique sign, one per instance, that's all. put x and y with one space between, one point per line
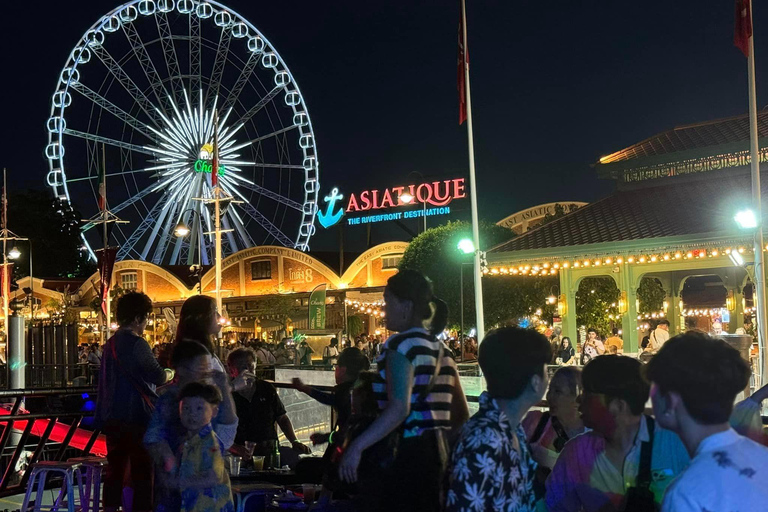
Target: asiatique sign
432 198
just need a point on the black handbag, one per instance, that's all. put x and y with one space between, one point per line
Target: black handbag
639 498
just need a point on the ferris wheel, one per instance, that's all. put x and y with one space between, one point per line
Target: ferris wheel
142 88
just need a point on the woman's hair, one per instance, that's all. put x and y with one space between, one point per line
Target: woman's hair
354 361
572 377
197 315
566 338
414 286
132 306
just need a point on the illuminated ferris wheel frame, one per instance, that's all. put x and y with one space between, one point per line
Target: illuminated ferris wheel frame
178 126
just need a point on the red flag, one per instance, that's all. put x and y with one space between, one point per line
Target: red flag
743 28
460 83
106 262
215 162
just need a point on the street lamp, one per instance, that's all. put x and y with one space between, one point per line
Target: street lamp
746 219
466 246
181 231
15 254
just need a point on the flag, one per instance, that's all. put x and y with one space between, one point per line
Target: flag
460 84
317 307
742 30
103 187
106 262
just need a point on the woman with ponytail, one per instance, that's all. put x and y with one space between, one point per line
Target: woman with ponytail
421 402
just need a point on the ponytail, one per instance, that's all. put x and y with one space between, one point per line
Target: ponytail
440 316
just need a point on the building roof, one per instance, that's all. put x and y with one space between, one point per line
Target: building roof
678 206
693 136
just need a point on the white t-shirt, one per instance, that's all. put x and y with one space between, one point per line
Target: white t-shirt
728 473
658 337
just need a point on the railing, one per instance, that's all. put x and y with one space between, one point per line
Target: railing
30 435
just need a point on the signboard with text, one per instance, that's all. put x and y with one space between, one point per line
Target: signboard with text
430 198
317 308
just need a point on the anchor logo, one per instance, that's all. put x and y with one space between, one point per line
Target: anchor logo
329 218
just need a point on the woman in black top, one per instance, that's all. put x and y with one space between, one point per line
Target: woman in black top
566 356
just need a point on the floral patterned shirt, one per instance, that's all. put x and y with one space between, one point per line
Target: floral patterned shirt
487 472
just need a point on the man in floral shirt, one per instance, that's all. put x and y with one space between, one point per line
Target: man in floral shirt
492 468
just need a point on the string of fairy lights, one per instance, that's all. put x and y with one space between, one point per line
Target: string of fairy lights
371 308
549 268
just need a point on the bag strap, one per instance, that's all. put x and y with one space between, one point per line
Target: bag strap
539 428
646 453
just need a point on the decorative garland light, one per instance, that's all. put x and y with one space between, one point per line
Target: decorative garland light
550 268
368 308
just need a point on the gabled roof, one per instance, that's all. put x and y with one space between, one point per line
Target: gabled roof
693 136
681 206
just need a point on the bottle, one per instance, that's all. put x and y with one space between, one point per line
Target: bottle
276 456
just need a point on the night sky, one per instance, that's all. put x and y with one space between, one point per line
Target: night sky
554 85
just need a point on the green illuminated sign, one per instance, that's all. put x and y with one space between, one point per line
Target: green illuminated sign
206 167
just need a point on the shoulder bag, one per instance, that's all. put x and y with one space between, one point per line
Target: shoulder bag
640 498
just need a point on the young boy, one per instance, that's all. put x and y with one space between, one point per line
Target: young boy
203 480
166 433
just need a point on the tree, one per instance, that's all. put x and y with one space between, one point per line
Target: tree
651 295
277 308
435 254
596 302
354 326
53 228
559 212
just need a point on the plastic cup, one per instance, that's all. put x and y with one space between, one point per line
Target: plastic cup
258 462
309 493
234 465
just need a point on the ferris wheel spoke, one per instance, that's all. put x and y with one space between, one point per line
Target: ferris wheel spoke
265 223
125 204
187 217
245 76
263 102
230 235
129 85
218 65
116 111
146 64
269 135
111 142
194 54
128 245
271 166
167 218
169 52
240 228
243 182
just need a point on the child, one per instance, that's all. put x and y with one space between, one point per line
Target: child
203 480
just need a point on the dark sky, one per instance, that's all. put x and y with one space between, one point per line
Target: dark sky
555 85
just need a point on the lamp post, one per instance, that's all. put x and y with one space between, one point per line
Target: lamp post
181 231
466 246
749 220
15 254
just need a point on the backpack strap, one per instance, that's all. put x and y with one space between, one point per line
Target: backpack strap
646 454
539 428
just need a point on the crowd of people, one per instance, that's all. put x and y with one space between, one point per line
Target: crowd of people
404 439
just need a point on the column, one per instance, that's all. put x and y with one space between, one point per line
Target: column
737 315
628 285
568 288
671 285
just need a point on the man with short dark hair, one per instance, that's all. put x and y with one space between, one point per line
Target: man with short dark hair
492 468
259 408
694 382
596 470
127 390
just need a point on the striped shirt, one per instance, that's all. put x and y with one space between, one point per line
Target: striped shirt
422 350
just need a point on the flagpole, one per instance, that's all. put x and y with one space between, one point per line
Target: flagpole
106 243
217 208
754 151
6 289
473 187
